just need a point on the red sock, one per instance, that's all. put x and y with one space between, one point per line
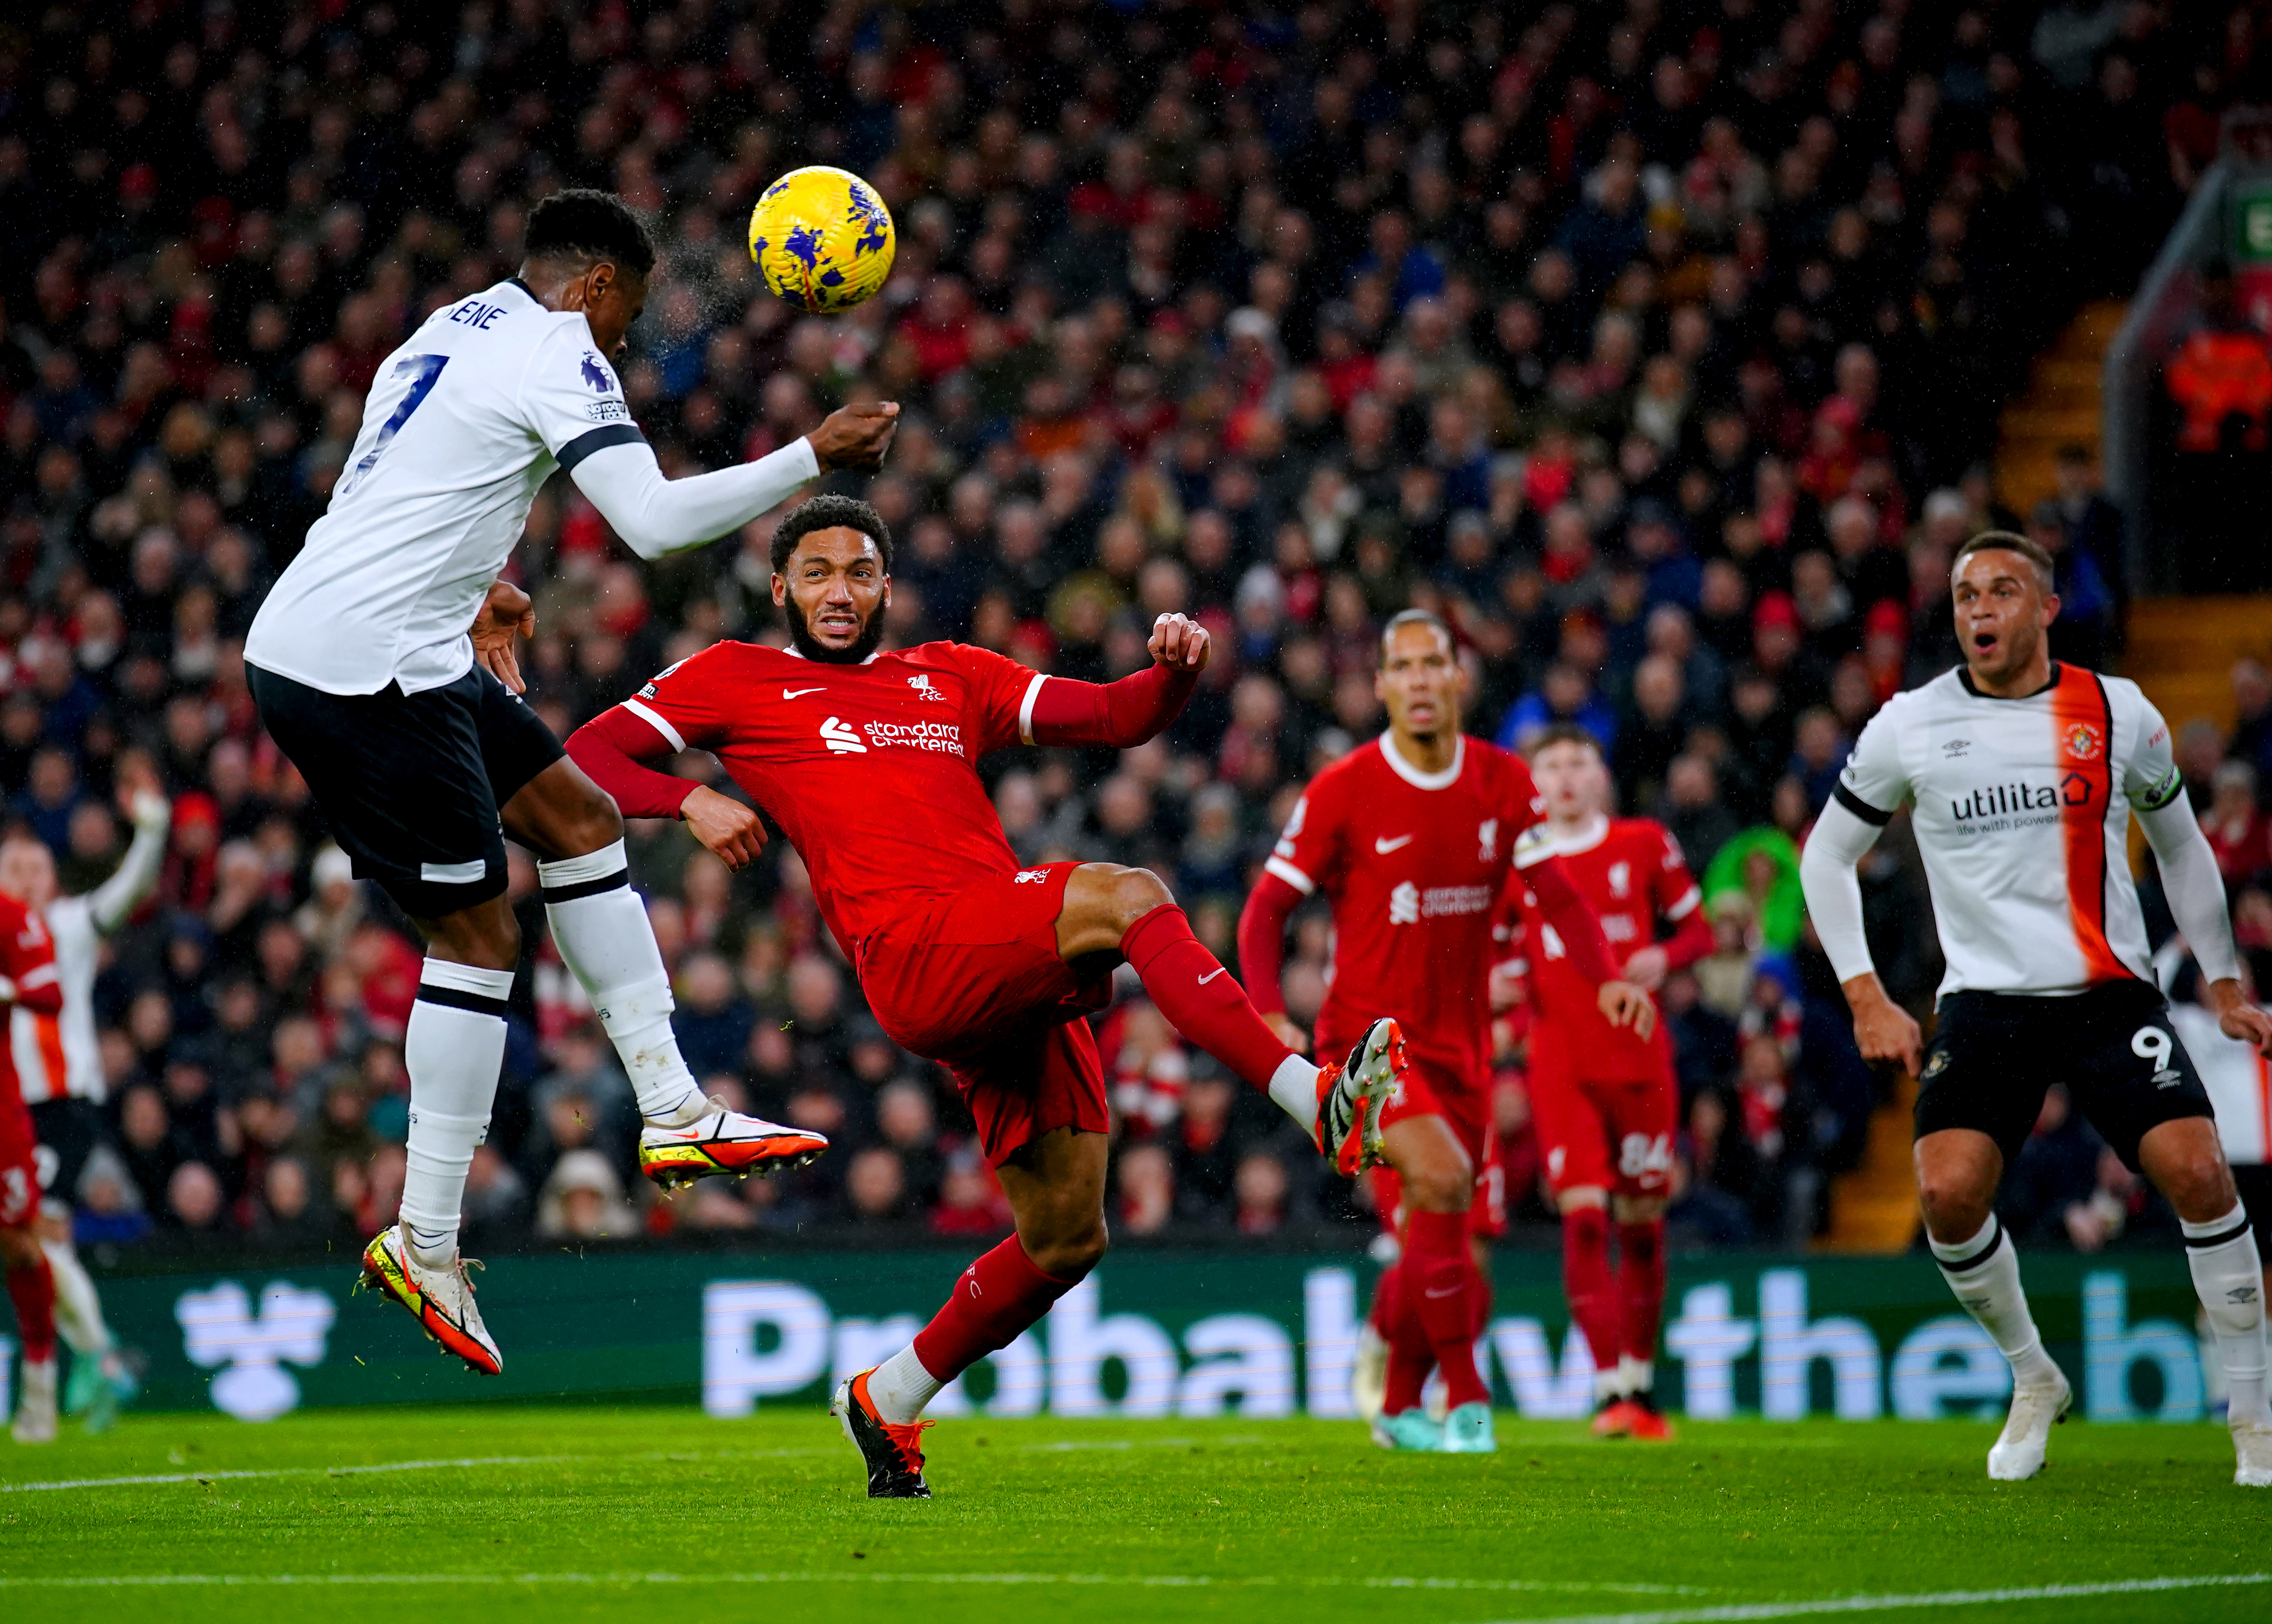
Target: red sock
1640 1286
1587 1283
1199 996
995 1299
1387 1300
33 1290
1441 1288
1410 1355
1479 1303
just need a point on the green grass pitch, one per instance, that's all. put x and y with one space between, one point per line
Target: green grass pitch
510 1514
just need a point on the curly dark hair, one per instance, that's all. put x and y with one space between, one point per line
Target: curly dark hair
830 512
590 224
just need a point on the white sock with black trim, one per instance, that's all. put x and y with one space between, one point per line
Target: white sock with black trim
1984 1271
601 928
2229 1274
453 1050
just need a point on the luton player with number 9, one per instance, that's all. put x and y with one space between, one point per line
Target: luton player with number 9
2024 773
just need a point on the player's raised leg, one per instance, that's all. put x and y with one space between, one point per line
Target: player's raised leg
1957 1172
1054 1185
2186 1161
1108 909
601 928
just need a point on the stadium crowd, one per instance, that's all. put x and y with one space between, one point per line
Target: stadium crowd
1657 347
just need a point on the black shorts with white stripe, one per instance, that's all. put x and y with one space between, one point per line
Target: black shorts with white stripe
411 783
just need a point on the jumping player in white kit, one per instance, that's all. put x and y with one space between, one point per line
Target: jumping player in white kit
2025 773
411 731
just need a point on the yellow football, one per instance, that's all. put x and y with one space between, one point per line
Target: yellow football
822 239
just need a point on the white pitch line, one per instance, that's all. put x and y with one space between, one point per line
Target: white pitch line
1889 1604
1141 1581
217 1475
547 1460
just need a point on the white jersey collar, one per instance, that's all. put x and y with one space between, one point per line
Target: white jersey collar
1589 834
1413 775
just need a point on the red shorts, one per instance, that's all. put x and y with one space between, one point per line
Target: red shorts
973 982
1611 1134
19 1163
1435 1090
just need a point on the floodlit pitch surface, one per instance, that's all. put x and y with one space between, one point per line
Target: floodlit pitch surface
515 1513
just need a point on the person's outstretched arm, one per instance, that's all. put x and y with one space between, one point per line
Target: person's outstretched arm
656 515
112 903
1123 714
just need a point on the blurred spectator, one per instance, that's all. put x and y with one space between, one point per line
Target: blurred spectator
1611 337
583 1200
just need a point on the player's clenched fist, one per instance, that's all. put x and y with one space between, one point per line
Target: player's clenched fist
1179 643
1624 1004
855 436
725 825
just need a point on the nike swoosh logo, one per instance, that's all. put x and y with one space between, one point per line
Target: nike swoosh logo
1211 975
796 693
1449 1290
1386 846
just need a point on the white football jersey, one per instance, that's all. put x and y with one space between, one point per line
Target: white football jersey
462 425
57 1055
2023 815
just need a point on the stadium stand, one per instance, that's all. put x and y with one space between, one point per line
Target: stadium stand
1661 347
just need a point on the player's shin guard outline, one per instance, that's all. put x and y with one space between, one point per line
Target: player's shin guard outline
2229 1276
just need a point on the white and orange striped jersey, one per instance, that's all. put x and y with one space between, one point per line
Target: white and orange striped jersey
57 1055
2022 816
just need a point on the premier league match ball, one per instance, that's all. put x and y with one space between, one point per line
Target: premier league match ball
822 239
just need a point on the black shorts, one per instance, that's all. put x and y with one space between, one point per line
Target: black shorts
67 1130
411 783
2254 1181
1995 1053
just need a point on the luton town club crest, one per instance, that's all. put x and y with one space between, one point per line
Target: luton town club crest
2084 741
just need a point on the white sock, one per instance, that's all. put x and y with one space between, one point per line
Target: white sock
1984 1271
601 928
79 1311
900 1387
1638 1375
1294 1085
2230 1277
452 1050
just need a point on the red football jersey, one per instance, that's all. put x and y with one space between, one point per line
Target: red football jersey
1413 864
28 958
1631 872
869 769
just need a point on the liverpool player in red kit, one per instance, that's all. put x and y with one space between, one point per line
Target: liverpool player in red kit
1605 1101
28 977
867 761
1413 837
